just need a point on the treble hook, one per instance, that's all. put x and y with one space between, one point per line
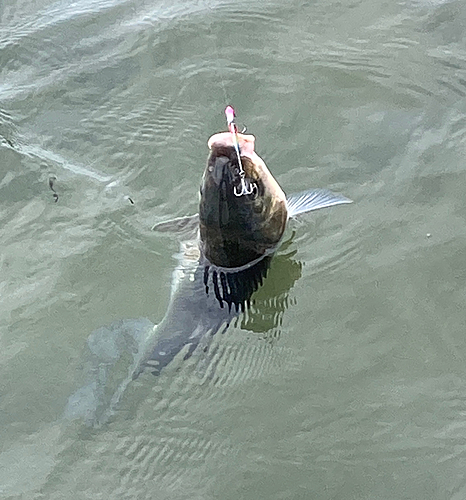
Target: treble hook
245 190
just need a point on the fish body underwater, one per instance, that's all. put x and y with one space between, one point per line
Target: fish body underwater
243 213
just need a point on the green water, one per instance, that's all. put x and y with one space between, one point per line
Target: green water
359 389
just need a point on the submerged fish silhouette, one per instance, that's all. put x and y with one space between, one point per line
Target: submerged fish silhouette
238 234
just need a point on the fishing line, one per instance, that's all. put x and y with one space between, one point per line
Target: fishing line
217 56
246 187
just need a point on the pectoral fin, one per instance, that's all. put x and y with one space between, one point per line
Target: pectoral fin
179 225
313 199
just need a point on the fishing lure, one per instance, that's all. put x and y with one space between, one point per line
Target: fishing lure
245 188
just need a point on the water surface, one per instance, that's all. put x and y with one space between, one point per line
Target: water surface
352 384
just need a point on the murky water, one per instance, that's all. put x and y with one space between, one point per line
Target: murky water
348 381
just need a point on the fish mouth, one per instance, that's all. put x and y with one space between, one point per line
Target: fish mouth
246 143
224 165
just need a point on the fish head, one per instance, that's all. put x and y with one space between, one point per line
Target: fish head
242 211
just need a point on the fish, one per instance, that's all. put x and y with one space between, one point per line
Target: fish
243 213
224 260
